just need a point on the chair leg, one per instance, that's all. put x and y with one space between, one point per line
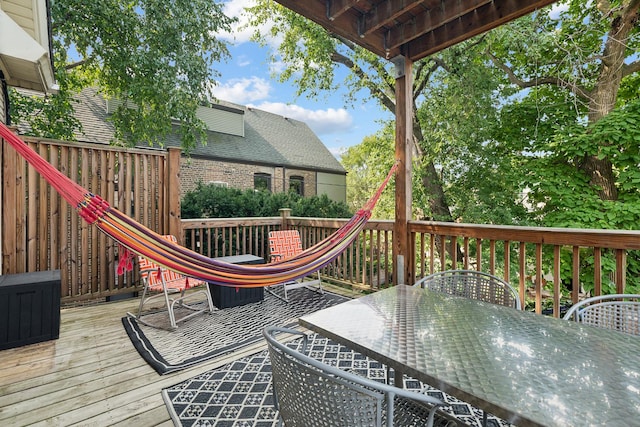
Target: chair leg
144 295
294 285
169 304
320 289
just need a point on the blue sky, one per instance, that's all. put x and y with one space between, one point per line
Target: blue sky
246 80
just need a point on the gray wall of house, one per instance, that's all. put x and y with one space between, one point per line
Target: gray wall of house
333 185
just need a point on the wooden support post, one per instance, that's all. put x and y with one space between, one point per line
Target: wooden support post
172 212
402 253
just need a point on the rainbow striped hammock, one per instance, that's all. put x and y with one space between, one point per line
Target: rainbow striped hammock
135 238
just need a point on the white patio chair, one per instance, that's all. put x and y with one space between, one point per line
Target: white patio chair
620 312
308 392
284 244
474 285
170 287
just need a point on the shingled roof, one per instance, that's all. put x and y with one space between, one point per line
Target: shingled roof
269 139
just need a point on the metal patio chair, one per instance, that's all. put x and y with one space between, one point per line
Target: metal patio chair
474 285
284 244
620 312
170 287
308 392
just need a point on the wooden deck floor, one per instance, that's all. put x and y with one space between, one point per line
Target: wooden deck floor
91 376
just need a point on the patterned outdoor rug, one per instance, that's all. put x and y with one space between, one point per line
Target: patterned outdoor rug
222 331
240 394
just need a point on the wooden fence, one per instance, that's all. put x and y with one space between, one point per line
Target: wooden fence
40 231
549 266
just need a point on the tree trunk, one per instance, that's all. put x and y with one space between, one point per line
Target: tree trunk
438 206
604 95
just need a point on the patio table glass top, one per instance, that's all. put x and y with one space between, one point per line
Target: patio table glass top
526 368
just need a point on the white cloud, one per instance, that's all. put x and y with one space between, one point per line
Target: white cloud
322 122
240 33
243 61
243 91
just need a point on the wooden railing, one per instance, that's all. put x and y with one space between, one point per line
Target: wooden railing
542 263
366 264
548 266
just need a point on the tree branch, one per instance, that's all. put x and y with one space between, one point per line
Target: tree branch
423 76
631 68
374 89
577 90
75 64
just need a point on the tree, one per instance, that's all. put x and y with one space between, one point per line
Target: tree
153 55
368 164
549 73
588 53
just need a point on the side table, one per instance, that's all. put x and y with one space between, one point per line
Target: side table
230 296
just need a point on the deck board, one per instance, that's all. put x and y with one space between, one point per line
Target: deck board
91 376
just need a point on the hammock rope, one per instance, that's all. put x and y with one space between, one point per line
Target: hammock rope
138 239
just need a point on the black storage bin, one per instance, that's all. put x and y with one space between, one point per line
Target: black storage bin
229 296
29 308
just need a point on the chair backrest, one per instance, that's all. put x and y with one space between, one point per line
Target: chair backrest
472 284
620 312
284 244
149 269
307 390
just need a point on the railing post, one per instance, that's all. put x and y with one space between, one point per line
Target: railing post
172 182
284 214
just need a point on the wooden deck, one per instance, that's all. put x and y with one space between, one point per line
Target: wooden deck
91 376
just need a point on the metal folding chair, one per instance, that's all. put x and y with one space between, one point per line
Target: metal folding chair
169 287
284 244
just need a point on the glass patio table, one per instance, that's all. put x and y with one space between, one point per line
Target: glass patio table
528 369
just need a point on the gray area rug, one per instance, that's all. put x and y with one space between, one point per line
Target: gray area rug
240 394
222 331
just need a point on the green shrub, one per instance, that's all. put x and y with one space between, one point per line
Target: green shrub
212 201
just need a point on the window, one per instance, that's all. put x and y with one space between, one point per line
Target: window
262 182
296 185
